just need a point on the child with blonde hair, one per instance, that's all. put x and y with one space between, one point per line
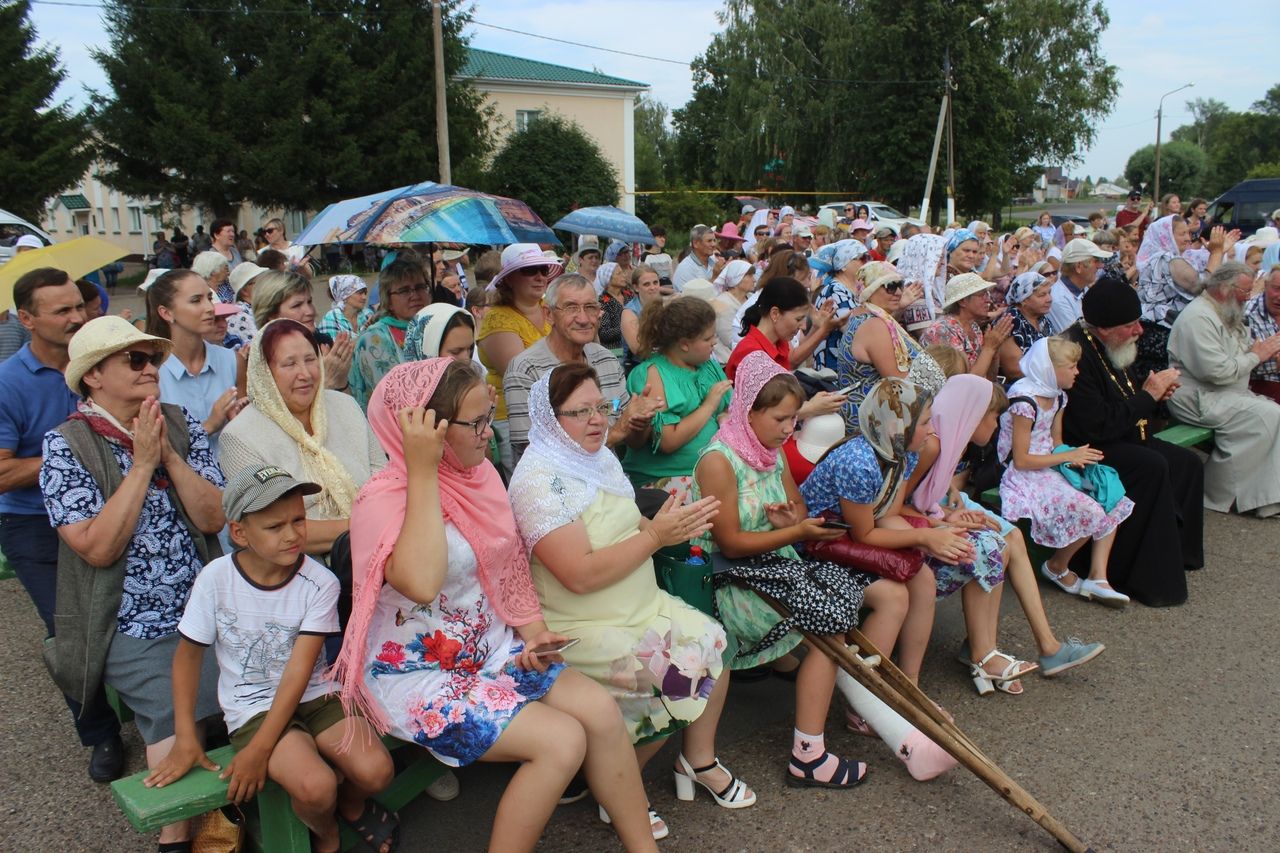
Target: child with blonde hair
1033 487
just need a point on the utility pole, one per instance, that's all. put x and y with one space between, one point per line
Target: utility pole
1155 184
951 144
442 106
937 143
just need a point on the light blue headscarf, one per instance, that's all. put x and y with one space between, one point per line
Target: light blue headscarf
834 257
960 235
1270 257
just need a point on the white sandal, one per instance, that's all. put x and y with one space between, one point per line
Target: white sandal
986 683
736 795
656 824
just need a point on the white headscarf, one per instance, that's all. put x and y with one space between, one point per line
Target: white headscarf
603 274
1038 377
341 288
732 274
760 217
556 479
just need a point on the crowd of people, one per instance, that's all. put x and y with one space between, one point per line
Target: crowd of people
432 511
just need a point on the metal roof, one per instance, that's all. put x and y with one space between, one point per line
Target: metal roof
74 201
499 66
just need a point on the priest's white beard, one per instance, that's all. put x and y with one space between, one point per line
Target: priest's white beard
1231 312
1123 356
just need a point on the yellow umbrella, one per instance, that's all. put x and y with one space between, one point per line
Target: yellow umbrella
77 258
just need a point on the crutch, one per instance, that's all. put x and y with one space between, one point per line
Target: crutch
874 671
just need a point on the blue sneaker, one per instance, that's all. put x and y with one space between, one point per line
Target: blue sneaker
1073 653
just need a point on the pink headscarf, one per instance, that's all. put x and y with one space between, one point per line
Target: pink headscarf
957 410
754 372
472 499
1157 240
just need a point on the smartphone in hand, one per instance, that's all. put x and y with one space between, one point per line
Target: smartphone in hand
549 649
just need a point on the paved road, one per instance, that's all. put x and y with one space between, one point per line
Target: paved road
1166 742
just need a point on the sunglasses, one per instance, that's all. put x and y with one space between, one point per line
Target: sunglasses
532 271
894 287
270 230
138 359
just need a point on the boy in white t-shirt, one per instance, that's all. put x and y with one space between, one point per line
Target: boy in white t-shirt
266 610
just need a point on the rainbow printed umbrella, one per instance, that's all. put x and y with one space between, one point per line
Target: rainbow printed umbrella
427 213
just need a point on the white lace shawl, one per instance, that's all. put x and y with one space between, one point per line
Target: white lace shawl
556 480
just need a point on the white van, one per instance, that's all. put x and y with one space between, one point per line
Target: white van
11 228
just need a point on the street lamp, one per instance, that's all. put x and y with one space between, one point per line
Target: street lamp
1155 192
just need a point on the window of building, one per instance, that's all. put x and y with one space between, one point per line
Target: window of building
115 220
100 222
524 118
135 220
295 221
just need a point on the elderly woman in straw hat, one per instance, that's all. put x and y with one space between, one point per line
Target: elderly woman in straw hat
288 295
967 305
516 320
130 484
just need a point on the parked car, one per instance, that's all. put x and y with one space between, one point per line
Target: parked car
881 214
12 227
1080 221
1247 205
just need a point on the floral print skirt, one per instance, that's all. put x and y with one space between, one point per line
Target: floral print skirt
987 567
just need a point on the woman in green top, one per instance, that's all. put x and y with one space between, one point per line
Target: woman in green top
680 337
380 347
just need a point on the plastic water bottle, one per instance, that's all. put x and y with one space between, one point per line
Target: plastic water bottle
696 557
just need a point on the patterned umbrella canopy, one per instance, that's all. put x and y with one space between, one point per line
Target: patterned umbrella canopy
427 213
606 221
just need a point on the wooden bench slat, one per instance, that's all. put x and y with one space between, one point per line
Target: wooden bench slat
1186 435
198 792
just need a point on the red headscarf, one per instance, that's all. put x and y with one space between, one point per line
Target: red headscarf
472 499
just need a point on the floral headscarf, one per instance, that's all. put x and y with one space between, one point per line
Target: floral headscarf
960 235
887 420
342 287
319 464
556 479
1157 241
754 372
425 334
1023 285
921 256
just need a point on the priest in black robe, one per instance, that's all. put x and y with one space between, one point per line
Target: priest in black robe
1112 410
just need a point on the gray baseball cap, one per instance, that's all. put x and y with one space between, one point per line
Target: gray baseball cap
255 489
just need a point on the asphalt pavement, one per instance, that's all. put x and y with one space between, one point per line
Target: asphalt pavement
1168 741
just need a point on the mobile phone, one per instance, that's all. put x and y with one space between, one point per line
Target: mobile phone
845 391
548 649
836 524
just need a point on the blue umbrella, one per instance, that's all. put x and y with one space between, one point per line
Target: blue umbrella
606 221
427 213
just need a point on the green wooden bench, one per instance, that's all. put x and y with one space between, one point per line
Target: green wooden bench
272 825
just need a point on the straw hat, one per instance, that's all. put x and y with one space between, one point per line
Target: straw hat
965 284
519 256
244 273
700 288
100 338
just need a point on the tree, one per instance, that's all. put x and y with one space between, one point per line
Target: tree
554 167
286 102
1243 140
1206 114
653 143
1182 168
43 144
1269 104
801 87
678 211
1265 170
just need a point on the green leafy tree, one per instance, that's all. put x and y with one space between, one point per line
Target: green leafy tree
1265 170
653 142
1243 140
43 146
1269 104
1206 114
679 210
1182 168
798 95
279 102
554 167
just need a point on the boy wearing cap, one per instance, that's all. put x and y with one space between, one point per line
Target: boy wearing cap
266 610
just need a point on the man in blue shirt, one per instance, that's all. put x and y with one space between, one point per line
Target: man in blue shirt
36 400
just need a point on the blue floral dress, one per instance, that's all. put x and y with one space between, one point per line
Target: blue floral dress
161 561
852 472
445 673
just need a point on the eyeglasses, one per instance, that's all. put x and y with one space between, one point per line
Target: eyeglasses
479 425
138 359
591 309
584 414
405 291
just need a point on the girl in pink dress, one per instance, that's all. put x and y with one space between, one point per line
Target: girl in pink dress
1062 517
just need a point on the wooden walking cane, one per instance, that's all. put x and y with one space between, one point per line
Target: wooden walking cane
882 677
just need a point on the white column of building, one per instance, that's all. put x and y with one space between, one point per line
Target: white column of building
628 200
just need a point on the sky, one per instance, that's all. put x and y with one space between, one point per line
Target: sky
1157 47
